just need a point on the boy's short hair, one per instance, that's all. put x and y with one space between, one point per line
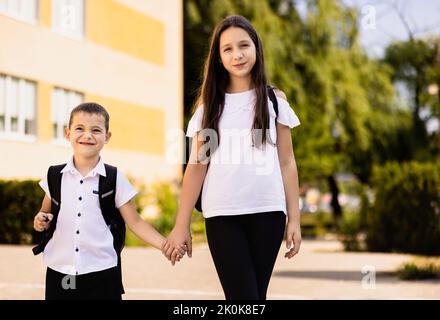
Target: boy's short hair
93 108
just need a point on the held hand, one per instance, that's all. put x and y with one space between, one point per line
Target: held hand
178 253
42 221
293 239
178 236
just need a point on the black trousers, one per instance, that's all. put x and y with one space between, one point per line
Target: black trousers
244 249
100 285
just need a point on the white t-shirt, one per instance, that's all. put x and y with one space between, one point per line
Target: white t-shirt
82 242
241 178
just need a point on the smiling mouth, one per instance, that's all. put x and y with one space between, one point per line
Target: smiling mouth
240 65
87 143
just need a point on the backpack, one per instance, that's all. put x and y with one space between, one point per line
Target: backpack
112 216
273 99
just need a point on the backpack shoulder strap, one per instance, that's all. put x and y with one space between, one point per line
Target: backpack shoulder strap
54 177
107 193
273 99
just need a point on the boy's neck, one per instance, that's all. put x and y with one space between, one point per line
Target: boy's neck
239 84
85 165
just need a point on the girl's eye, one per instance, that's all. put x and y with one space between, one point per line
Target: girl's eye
245 45
227 49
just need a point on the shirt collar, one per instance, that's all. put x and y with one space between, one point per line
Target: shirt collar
99 169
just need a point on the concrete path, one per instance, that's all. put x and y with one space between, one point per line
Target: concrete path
321 271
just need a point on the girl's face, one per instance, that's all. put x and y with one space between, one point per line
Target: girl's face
237 52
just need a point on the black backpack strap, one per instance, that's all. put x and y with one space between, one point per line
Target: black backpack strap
107 193
273 99
54 177
112 216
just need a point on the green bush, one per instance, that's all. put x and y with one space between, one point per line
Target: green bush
316 224
167 201
350 231
19 202
405 215
414 271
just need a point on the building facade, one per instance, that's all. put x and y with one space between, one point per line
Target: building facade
124 54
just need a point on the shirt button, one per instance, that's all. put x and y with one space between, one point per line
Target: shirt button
79 214
76 249
77 273
81 181
80 198
77 231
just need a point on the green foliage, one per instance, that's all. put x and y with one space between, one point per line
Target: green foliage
20 201
417 271
163 197
349 231
405 216
413 64
166 200
316 224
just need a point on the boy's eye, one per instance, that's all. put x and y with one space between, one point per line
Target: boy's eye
78 129
97 130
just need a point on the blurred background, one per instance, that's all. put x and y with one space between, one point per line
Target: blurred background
363 77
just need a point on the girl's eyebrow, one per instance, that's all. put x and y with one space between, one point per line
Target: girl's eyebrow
239 42
225 45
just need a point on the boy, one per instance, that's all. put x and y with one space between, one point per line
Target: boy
81 242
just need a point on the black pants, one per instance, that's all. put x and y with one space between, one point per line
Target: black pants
101 285
244 249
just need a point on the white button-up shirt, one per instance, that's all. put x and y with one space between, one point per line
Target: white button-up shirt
82 242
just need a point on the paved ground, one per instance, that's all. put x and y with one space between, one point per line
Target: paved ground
321 271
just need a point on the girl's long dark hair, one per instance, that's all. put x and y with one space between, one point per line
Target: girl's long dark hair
216 80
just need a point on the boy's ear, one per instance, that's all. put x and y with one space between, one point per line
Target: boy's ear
67 133
107 137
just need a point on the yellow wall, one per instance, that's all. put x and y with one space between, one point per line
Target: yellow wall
45 7
44 105
121 28
134 127
139 82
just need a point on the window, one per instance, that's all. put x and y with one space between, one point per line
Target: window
63 101
17 107
68 17
25 10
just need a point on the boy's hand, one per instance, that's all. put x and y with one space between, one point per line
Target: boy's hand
42 221
178 253
177 238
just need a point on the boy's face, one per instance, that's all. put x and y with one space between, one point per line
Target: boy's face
87 134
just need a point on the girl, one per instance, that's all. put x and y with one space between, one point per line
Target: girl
252 181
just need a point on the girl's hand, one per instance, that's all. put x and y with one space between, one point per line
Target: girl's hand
178 253
293 239
176 239
42 221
